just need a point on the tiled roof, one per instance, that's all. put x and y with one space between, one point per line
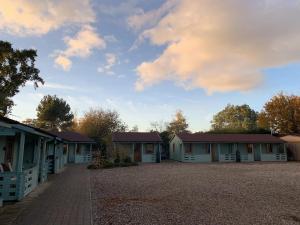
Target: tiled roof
136 137
18 124
73 136
291 138
229 138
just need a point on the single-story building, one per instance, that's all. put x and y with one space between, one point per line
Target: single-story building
23 162
76 148
207 147
292 146
139 146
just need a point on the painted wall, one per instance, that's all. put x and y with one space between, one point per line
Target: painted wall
149 157
176 149
294 148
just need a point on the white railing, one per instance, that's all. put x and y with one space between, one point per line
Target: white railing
274 157
281 157
83 158
8 186
30 180
228 157
197 158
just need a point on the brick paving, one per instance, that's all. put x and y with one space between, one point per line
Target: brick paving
65 202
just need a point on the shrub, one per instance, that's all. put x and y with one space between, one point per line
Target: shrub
127 160
117 159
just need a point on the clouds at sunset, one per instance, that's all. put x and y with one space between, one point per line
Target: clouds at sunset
221 46
81 45
35 17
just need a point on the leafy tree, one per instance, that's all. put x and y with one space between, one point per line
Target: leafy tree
235 118
99 124
31 122
281 114
158 126
135 128
54 113
178 124
16 68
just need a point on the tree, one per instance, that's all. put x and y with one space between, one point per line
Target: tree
54 113
135 128
16 68
235 118
99 124
281 114
158 126
31 122
178 124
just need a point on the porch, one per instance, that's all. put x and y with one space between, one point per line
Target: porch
78 152
138 152
232 152
23 163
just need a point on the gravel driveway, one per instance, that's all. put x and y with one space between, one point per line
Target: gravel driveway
181 193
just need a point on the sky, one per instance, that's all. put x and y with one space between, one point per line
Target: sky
147 59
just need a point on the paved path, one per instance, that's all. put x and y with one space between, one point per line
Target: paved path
65 202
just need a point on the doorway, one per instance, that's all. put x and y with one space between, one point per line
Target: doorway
257 153
214 153
137 152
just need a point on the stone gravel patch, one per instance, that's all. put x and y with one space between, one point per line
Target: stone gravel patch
182 193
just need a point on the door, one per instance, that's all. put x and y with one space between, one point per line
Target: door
9 151
256 153
214 153
137 152
71 153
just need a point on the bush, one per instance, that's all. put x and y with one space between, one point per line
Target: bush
108 164
127 160
117 159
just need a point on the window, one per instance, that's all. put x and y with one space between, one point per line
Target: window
207 148
65 149
78 149
149 148
173 147
249 148
188 149
280 149
230 148
269 148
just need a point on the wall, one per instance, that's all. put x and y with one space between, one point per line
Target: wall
149 157
177 152
294 148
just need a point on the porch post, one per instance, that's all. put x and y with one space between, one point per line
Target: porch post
219 152
133 158
43 159
260 151
211 159
142 152
38 155
284 150
21 152
75 152
91 147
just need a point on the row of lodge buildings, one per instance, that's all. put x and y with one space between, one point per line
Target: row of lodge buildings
29 154
202 147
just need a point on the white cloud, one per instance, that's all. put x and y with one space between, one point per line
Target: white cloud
221 46
64 62
111 61
35 17
82 45
150 18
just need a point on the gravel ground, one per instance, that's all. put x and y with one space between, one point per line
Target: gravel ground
181 193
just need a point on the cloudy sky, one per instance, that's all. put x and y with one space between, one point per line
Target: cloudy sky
146 59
